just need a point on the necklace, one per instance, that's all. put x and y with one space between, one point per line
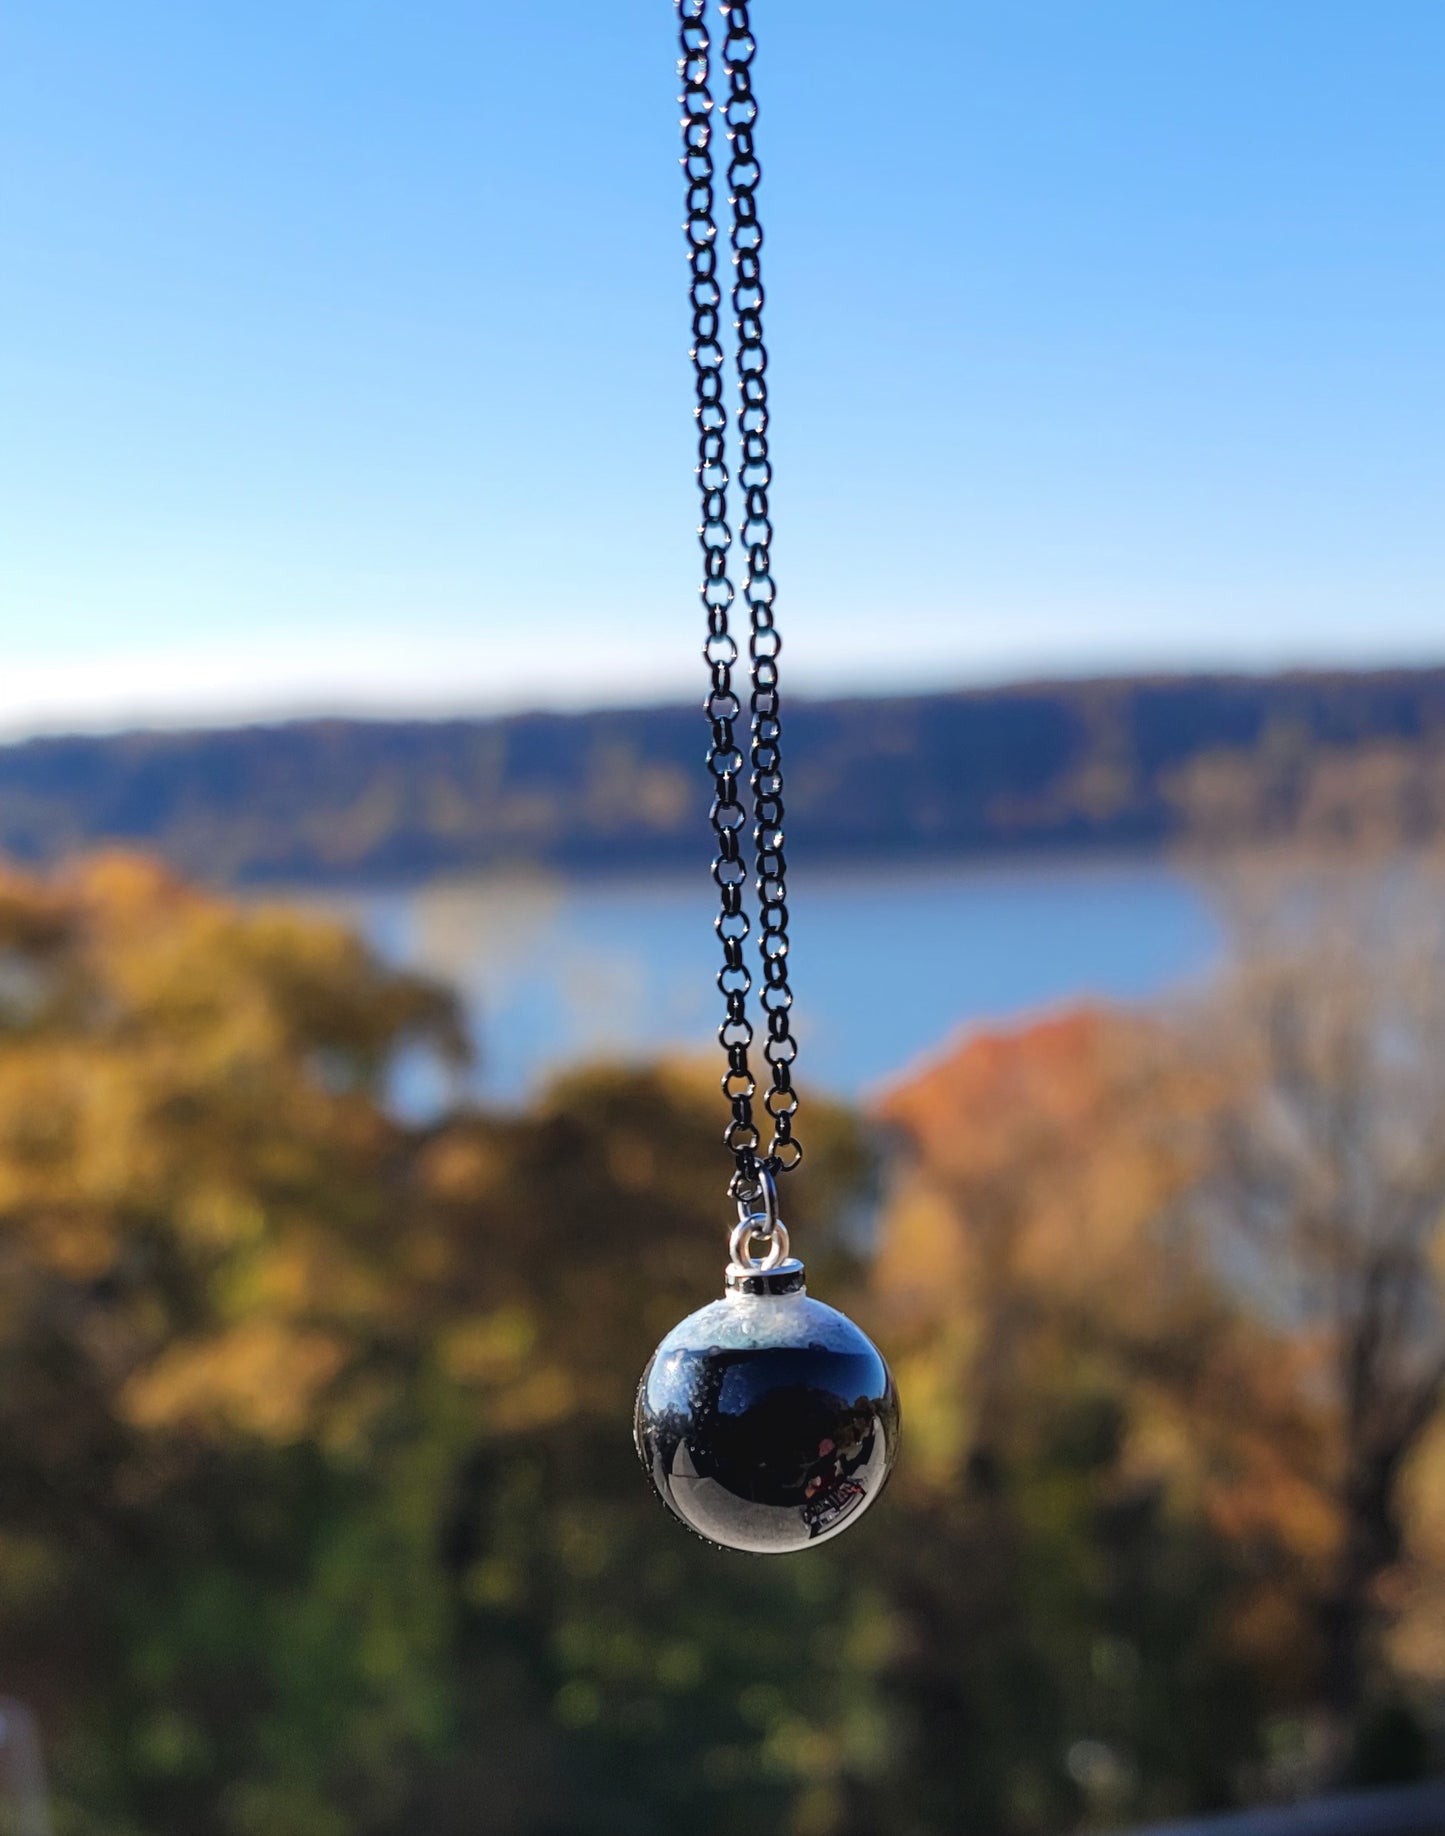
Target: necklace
766 1420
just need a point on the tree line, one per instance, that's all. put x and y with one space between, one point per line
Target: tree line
1133 763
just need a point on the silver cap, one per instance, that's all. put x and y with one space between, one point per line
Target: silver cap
786 1278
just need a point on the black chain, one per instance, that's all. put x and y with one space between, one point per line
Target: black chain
725 759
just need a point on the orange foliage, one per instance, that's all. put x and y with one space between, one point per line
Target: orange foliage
1034 1242
1041 1156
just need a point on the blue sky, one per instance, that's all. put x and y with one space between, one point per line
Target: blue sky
343 347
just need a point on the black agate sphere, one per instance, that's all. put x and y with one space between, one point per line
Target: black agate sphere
767 1421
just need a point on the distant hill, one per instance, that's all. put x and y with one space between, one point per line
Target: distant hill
1120 764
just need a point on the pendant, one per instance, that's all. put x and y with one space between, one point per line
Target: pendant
767 1421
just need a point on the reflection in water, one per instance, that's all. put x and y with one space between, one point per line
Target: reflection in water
887 960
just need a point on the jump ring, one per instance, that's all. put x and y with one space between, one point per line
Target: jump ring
776 1252
766 1189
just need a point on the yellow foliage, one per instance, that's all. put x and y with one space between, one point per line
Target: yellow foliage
260 1377
196 1176
542 1397
488 1348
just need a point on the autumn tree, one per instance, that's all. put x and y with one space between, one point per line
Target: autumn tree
1096 1434
318 1509
1326 1194
1229 1216
202 1201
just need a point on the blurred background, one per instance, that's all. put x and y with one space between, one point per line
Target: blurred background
359 1123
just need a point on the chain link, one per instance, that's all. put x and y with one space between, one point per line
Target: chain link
722 707
755 477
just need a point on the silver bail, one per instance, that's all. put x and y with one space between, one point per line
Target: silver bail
763 1226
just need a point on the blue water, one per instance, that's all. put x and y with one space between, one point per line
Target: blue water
888 963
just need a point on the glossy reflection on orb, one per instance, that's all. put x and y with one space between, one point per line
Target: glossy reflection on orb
767 1421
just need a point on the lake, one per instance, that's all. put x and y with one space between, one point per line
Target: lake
888 962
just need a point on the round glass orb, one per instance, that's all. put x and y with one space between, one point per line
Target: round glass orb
767 1421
